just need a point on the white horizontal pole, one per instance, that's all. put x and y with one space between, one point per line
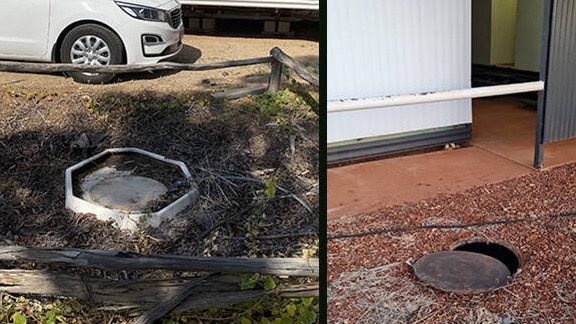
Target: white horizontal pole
274 4
489 91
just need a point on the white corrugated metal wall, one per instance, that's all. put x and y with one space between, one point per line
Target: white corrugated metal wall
379 48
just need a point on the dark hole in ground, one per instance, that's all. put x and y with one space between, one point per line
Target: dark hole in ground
495 250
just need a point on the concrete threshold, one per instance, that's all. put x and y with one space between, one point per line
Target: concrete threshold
367 187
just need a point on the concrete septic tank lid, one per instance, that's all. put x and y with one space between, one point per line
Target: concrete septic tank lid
123 196
126 193
461 272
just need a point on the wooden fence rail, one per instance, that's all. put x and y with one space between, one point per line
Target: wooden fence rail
116 260
9 66
220 286
142 294
277 58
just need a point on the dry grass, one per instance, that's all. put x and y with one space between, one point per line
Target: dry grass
232 149
374 300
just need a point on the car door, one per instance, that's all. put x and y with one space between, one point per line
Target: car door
24 28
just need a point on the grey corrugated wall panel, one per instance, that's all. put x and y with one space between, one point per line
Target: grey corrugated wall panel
378 48
560 111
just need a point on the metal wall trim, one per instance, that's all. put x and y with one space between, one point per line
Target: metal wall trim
379 148
545 48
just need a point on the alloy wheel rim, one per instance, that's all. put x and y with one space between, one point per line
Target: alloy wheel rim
91 50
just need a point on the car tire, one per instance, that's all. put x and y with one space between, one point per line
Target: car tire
95 45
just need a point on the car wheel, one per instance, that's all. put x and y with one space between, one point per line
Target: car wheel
91 44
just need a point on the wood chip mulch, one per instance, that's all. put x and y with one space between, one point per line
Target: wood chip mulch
370 279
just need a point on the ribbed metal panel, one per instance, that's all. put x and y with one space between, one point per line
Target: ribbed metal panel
379 48
276 4
360 151
560 111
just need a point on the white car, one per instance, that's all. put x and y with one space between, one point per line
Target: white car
97 32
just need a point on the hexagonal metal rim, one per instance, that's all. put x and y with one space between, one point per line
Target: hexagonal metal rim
125 220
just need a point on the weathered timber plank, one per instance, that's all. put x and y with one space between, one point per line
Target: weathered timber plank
275 77
166 306
239 93
305 291
282 57
117 260
9 66
140 295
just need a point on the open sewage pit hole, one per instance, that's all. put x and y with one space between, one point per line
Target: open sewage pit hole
499 251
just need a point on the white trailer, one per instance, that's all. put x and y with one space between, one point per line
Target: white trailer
277 15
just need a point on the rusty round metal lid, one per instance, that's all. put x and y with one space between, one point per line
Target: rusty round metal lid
461 272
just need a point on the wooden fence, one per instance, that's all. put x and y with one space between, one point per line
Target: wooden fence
277 59
217 281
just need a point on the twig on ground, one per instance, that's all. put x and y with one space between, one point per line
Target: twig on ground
165 307
284 190
272 237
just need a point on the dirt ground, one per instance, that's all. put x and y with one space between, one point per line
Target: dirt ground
232 148
371 256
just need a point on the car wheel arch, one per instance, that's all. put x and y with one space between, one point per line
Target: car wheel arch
57 45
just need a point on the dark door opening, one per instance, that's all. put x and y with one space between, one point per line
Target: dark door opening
506 38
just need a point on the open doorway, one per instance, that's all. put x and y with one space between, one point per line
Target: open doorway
507 33
506 45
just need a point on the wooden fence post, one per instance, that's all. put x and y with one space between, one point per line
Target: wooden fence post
275 76
282 57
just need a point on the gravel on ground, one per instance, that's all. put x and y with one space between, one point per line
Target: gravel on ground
370 279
